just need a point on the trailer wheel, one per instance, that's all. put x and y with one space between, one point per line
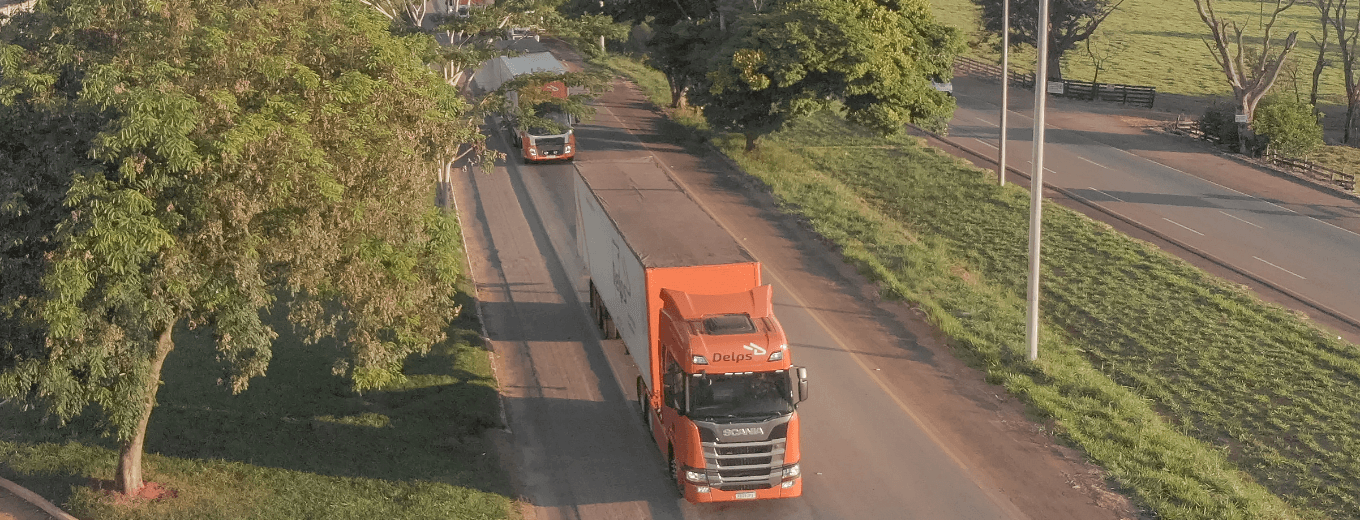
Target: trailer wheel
644 404
610 331
595 307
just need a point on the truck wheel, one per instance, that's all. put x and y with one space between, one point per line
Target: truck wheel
595 306
610 331
676 473
644 404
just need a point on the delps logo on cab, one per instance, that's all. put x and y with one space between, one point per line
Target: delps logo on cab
756 350
732 357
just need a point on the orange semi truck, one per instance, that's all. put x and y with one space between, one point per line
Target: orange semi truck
718 389
535 144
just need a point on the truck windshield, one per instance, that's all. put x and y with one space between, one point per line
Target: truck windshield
758 396
561 124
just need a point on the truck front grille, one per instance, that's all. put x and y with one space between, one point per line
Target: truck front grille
731 467
744 487
744 450
749 461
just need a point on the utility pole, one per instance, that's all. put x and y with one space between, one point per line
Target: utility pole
1036 183
1005 86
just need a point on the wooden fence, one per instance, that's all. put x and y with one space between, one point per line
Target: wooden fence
1312 170
1127 94
1302 167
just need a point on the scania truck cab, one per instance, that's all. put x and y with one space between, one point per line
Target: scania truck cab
727 418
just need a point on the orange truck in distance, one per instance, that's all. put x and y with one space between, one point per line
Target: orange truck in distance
718 389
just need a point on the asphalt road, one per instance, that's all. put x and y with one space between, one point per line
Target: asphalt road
896 427
1295 238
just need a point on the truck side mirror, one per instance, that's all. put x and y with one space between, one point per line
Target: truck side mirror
801 379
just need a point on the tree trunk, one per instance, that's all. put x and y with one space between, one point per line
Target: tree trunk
1244 130
1054 65
128 480
678 98
1352 103
679 85
751 142
1347 133
1317 69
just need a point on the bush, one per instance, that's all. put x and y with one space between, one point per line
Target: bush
1218 125
1292 128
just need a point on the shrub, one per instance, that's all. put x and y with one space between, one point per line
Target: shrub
1292 128
1219 125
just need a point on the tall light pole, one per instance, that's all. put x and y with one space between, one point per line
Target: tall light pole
1005 86
1036 184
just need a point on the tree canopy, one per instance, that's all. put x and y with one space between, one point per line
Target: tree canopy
875 57
183 163
1071 22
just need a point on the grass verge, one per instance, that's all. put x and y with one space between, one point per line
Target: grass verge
1200 399
298 444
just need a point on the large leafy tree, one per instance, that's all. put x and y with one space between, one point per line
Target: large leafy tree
1070 23
687 33
181 163
682 52
875 56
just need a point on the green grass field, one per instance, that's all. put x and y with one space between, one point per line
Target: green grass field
1160 43
1198 399
298 444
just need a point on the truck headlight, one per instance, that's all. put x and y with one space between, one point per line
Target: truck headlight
567 149
777 355
533 151
699 360
697 477
792 472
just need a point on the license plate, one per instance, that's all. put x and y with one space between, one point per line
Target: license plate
746 495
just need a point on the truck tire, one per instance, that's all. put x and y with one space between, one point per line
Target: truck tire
610 331
595 306
674 467
644 404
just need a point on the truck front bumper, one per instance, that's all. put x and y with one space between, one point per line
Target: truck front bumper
694 495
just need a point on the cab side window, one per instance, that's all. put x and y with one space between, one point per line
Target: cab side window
674 380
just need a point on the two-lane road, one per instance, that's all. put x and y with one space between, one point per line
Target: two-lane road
1306 248
896 427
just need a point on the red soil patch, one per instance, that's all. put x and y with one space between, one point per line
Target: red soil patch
150 492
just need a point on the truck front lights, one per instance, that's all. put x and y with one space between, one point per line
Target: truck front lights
777 355
697 477
533 151
699 360
792 472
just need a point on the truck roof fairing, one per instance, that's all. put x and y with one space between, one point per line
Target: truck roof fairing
721 338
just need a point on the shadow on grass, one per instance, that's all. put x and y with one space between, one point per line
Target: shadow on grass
298 417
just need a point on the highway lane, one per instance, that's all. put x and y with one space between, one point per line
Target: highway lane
894 430
855 454
1302 253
